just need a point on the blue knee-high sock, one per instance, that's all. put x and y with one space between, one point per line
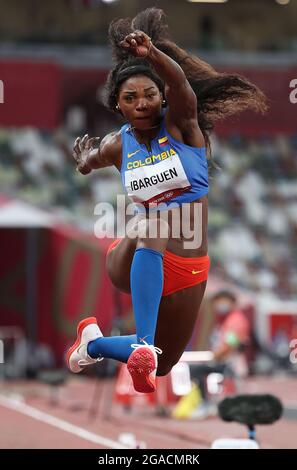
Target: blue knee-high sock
113 347
146 280
146 288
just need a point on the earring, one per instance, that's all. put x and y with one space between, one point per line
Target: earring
164 104
117 107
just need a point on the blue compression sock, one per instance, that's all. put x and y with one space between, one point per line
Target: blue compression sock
146 279
113 347
146 288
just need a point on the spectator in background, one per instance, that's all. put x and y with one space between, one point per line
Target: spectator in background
231 334
228 341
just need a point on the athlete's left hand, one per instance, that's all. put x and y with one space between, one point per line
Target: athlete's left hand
138 44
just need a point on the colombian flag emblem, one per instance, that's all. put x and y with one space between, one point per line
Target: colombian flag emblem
163 141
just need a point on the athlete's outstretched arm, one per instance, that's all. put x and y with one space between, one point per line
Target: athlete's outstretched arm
89 158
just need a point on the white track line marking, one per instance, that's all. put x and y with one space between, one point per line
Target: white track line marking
34 413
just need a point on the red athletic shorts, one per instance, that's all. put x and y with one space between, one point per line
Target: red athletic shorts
179 272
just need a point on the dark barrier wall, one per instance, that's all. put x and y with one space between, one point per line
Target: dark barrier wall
281 116
32 94
37 94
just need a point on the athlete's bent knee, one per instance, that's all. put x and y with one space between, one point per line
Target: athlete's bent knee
114 275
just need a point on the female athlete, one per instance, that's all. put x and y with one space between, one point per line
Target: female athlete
170 101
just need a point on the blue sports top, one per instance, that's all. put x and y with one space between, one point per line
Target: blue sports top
172 172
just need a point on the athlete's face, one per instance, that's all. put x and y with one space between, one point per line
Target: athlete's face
140 101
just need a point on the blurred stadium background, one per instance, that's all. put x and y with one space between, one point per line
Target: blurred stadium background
54 61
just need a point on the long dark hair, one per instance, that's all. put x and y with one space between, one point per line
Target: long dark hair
218 94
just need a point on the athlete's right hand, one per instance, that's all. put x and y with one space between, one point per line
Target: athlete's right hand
81 152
